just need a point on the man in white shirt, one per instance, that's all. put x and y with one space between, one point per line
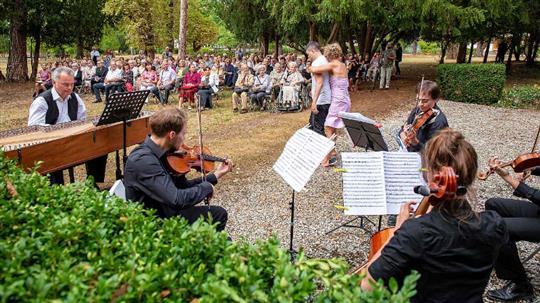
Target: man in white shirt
59 105
320 89
113 80
167 79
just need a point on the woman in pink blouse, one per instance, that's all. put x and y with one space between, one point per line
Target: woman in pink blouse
149 77
190 85
43 80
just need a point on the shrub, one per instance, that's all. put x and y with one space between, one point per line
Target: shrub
429 48
471 83
75 244
521 96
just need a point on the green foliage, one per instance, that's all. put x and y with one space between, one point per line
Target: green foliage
430 48
526 96
152 24
472 83
75 244
113 39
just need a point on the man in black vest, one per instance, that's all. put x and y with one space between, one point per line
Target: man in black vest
59 105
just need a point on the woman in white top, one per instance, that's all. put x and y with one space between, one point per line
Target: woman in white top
261 87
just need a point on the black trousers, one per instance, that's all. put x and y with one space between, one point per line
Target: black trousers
95 168
316 121
523 223
218 213
398 71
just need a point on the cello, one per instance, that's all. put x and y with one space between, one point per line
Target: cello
442 187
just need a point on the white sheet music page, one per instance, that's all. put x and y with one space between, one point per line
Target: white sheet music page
363 183
301 156
401 175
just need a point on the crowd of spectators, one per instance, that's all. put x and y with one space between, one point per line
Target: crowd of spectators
252 78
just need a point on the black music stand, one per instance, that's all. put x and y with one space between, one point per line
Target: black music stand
366 135
121 107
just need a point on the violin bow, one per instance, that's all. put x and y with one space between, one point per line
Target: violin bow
536 140
199 122
420 90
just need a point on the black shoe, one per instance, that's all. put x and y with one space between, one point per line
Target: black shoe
97 101
512 291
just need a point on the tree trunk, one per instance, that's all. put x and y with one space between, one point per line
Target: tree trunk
517 50
536 44
529 59
276 49
369 40
333 34
170 26
362 39
35 62
183 29
462 53
444 46
471 51
351 42
313 31
265 44
511 48
486 53
17 67
80 49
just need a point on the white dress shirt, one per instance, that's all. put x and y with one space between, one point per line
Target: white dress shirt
38 109
167 76
114 74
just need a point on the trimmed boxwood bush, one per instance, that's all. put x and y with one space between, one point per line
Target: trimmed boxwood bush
75 244
472 83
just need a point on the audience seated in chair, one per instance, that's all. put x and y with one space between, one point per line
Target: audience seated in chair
241 89
291 82
261 87
190 85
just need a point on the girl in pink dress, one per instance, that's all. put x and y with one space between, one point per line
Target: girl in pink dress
341 102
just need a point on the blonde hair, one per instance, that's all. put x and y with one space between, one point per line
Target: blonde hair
333 51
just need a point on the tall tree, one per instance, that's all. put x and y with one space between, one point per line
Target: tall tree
17 66
182 35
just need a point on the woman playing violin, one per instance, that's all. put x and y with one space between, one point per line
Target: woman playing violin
523 221
147 181
428 94
453 247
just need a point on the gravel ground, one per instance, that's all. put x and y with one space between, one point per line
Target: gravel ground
259 207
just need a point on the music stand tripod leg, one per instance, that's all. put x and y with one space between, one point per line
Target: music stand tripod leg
292 252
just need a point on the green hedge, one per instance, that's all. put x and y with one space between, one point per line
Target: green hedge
526 96
472 83
76 244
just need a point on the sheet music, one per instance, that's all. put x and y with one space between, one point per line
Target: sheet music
377 183
301 156
401 175
356 116
363 183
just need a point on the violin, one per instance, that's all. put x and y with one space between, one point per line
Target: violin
185 159
443 187
522 164
420 120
